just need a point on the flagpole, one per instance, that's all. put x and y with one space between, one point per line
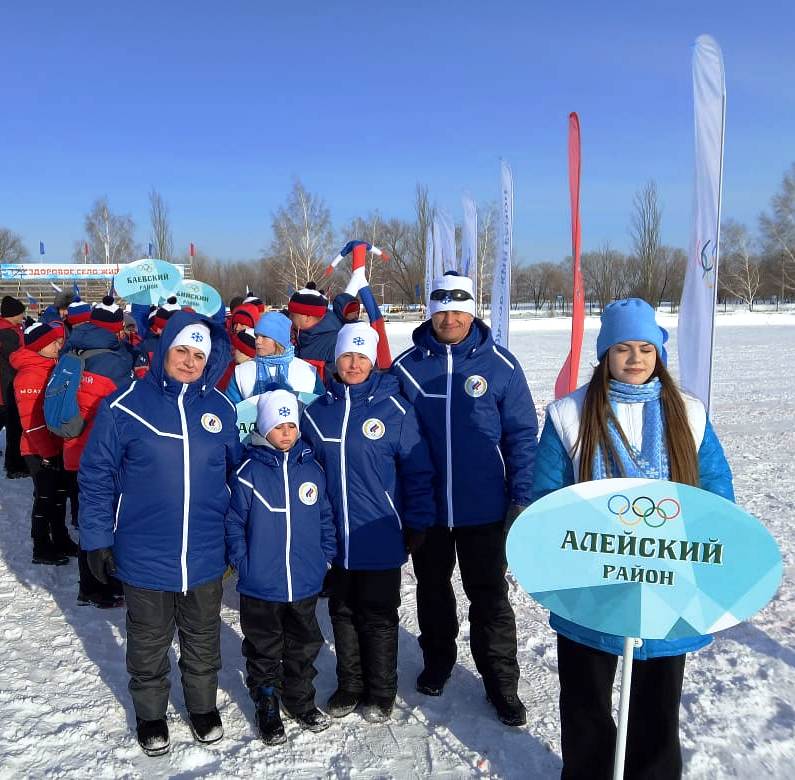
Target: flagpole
717 251
623 708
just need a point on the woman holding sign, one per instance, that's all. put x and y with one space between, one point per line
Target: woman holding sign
629 421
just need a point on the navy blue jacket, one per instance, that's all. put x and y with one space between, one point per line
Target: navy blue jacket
116 365
378 470
318 342
478 416
280 532
153 475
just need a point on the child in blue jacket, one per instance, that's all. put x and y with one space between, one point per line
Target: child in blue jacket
280 537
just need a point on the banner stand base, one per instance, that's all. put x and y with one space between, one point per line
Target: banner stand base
623 707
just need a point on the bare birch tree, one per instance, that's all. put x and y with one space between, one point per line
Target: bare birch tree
778 235
303 239
644 266
110 237
739 269
160 226
12 250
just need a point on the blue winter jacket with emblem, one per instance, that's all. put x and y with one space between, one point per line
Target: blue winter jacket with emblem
557 464
378 471
478 416
280 532
153 477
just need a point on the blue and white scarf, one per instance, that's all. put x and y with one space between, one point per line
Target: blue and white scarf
651 461
265 381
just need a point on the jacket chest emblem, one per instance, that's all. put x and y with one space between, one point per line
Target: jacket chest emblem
475 386
373 428
211 423
308 493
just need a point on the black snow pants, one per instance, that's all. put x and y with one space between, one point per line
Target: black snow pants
588 731
481 560
48 518
281 642
14 461
363 606
151 617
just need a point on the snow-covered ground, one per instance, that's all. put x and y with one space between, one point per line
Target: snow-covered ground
65 711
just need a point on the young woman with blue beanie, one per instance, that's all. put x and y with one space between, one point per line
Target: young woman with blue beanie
630 420
275 365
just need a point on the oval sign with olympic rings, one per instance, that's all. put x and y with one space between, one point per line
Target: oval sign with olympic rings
644 558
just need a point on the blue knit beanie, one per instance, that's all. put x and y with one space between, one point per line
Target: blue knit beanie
630 320
276 326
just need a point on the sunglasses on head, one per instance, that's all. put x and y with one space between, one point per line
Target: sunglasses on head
451 295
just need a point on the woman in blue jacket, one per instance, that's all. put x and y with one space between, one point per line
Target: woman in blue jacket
379 479
153 497
629 421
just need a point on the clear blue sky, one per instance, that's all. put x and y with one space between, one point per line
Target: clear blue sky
220 105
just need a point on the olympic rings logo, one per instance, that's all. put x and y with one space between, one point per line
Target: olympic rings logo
630 513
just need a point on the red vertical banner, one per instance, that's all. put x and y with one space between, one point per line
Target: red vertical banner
192 249
567 378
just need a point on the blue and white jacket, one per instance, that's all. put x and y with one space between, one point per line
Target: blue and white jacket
557 466
478 416
280 533
378 469
153 475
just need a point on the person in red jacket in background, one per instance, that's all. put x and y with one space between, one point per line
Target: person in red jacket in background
108 369
41 448
12 313
243 349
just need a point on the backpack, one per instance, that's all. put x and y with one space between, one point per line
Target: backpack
61 409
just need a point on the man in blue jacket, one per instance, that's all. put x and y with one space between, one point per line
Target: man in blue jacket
153 497
476 411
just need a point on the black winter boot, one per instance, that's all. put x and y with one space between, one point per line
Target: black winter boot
431 682
153 736
206 726
377 710
342 703
510 709
312 720
268 719
46 553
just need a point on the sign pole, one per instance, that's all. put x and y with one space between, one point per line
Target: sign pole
623 708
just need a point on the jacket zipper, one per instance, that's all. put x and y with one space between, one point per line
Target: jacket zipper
118 512
394 509
186 487
448 436
289 529
343 478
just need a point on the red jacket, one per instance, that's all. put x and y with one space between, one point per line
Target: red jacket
93 388
10 341
33 373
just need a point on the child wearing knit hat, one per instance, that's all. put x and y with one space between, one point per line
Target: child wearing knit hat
280 537
42 449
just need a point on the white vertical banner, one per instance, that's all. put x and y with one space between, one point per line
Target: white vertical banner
469 242
501 286
429 268
696 332
446 228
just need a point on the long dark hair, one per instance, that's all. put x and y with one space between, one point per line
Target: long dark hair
597 412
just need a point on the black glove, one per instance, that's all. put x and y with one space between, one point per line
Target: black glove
100 564
514 510
413 538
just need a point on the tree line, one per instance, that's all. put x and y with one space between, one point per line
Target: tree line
754 264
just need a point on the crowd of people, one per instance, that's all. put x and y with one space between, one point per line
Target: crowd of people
351 470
